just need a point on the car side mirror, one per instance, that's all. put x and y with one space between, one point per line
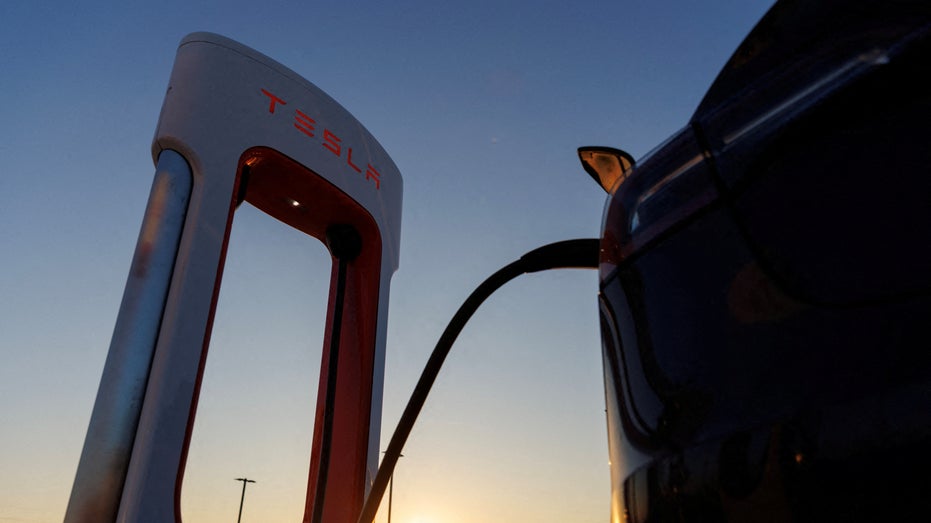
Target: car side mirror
607 165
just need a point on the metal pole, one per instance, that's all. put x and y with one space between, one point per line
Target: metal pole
391 489
243 498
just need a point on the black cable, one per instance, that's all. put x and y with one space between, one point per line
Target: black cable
344 244
569 254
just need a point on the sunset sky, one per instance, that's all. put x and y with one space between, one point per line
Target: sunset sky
480 104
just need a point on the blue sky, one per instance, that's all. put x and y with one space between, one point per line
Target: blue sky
480 104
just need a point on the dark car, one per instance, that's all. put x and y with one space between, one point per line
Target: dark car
766 283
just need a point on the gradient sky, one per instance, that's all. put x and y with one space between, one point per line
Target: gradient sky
480 104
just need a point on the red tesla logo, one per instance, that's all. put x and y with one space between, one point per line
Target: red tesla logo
333 143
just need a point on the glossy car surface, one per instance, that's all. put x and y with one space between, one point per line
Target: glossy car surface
766 283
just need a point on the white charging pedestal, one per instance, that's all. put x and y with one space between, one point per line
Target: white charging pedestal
237 125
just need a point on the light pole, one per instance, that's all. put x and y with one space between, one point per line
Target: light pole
391 488
243 498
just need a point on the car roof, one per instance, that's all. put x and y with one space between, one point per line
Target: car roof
806 38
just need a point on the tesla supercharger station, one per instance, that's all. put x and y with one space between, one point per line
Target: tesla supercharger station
236 125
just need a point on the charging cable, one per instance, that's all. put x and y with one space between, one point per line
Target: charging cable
569 254
345 244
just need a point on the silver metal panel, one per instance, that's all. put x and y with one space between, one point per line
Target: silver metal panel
104 460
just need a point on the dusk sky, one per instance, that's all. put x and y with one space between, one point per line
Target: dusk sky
480 104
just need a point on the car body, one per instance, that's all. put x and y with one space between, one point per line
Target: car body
765 283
